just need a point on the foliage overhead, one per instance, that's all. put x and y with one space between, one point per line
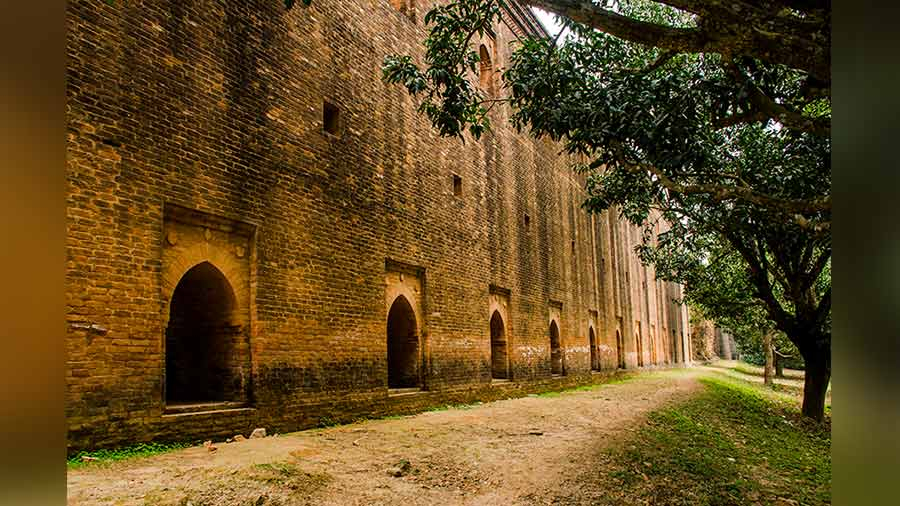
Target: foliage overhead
671 115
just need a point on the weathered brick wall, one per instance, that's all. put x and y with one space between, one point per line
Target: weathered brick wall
195 134
704 335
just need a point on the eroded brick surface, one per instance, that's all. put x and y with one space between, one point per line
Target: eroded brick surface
196 135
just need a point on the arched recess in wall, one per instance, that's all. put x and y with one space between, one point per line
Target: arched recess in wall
486 69
402 345
203 339
640 349
499 359
674 351
592 340
620 349
404 6
556 365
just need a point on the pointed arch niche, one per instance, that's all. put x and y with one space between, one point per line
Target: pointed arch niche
404 327
557 350
499 329
208 313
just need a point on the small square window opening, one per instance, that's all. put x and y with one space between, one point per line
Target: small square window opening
457 185
331 121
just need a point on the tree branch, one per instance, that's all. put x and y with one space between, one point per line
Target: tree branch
764 105
722 193
727 28
741 118
817 268
659 62
760 280
823 309
651 34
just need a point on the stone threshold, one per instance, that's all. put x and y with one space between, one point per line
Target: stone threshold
400 392
202 408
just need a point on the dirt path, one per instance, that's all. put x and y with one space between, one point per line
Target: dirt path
517 451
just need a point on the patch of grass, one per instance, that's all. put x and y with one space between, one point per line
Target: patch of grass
615 380
747 369
77 460
733 444
289 476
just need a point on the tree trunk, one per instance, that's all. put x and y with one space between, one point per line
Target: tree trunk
815 385
770 358
779 366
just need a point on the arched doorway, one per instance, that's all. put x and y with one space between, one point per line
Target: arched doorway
592 338
203 339
486 71
674 351
403 345
556 365
620 350
499 362
640 349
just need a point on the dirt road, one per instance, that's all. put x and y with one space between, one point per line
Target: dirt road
511 452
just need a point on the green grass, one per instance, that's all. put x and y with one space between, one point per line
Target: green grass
755 370
615 380
139 450
747 369
732 444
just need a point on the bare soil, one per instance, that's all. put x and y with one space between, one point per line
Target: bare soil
513 452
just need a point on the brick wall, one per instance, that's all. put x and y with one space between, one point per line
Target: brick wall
195 134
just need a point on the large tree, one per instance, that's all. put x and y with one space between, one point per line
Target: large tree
714 116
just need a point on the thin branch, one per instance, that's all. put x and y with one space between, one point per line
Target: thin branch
659 62
722 193
760 280
817 268
823 308
764 105
739 119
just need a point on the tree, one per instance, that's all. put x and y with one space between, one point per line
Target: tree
714 118
719 292
754 274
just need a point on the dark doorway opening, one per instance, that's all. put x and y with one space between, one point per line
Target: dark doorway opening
499 362
595 360
403 345
203 340
556 365
620 350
